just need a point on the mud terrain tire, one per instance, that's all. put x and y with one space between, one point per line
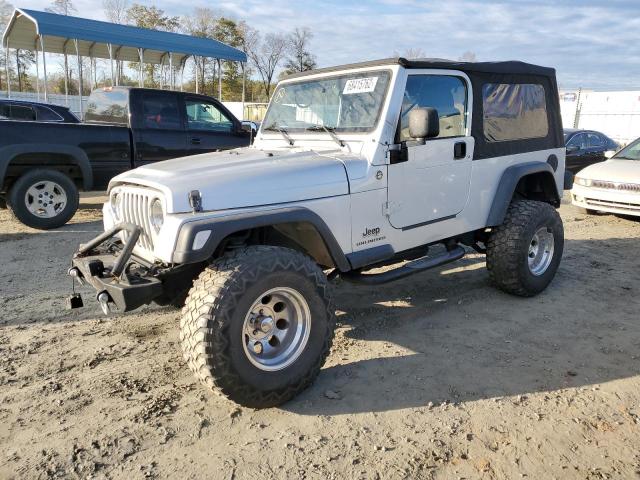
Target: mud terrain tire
213 328
515 253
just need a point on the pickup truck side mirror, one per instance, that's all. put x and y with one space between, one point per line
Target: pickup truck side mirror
424 123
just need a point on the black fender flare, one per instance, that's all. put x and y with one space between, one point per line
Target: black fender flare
76 155
507 187
222 227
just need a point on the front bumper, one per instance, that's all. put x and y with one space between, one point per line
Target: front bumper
111 268
612 201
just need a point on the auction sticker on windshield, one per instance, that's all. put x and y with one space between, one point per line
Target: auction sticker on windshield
360 85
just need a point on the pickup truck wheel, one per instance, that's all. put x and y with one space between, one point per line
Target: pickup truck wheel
258 324
524 252
43 199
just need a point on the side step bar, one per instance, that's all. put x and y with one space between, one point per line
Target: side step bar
416 266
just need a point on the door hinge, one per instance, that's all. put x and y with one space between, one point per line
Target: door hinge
388 208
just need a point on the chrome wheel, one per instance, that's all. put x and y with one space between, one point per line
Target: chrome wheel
45 199
276 329
541 251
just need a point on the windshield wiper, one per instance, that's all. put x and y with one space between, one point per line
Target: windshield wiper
275 128
330 130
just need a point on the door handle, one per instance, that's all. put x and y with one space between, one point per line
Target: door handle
195 141
459 150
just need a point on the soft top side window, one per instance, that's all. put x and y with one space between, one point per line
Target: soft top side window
446 93
514 111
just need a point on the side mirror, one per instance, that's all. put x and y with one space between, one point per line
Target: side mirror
424 123
572 148
246 127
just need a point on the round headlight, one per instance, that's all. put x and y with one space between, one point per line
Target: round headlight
156 214
116 200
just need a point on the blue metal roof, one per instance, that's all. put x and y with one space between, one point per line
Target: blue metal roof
25 26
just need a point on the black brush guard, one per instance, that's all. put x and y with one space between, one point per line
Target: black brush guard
108 272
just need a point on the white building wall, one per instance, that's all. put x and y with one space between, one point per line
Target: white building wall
616 114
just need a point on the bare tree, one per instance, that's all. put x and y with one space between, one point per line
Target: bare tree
152 18
202 23
5 14
116 12
300 59
468 57
265 54
63 7
411 53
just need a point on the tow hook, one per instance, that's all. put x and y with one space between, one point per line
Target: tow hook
75 273
74 300
104 299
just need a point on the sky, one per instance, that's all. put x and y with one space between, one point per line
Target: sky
592 44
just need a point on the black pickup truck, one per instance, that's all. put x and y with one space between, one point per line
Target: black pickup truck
44 165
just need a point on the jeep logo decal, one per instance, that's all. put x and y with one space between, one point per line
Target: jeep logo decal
368 232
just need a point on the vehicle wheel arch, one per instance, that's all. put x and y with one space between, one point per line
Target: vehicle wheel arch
296 228
72 161
526 181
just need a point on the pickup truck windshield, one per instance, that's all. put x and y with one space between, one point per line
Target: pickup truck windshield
345 103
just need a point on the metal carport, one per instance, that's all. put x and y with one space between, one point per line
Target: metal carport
45 32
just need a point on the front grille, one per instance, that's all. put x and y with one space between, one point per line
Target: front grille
134 208
606 203
628 187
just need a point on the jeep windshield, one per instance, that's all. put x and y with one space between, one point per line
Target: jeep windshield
351 102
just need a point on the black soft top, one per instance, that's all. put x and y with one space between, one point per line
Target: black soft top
507 67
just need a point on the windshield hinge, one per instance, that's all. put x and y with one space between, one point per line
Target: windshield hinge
389 208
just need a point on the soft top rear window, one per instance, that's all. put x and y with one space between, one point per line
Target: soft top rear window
514 111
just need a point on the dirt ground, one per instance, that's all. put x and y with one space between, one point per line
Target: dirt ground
436 376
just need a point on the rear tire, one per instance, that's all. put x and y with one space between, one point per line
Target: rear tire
43 199
258 324
523 254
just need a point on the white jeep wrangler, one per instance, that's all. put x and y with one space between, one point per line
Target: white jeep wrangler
354 167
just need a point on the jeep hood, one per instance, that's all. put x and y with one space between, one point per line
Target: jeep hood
243 177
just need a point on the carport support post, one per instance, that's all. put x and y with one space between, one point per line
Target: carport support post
170 71
66 74
219 81
183 64
195 60
110 48
6 66
76 43
141 67
44 69
244 79
37 71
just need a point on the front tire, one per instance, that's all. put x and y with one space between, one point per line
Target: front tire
523 254
43 199
258 324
